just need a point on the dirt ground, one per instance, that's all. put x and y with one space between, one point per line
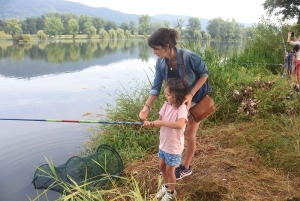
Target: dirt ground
221 172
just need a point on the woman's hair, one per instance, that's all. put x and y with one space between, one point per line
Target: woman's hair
178 87
162 37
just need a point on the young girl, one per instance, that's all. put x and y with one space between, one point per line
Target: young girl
172 122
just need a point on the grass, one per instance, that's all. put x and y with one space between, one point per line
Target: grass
249 149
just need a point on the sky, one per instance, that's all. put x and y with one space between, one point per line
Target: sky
246 11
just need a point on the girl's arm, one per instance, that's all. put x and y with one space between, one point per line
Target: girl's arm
179 124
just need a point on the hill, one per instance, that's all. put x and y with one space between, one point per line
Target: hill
29 8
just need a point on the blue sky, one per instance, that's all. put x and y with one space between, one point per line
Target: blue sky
246 11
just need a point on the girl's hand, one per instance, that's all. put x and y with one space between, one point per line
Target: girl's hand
146 124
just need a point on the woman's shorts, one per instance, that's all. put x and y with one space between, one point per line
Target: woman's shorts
171 159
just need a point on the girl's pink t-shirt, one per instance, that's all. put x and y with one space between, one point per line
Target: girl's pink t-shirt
172 140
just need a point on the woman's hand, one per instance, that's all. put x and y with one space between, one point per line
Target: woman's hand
144 113
188 101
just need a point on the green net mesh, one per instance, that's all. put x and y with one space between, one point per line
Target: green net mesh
97 168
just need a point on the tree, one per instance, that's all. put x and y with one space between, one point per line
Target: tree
73 27
2 25
124 26
289 9
91 31
230 29
99 23
214 27
40 23
120 33
239 31
65 17
82 20
41 35
193 25
127 34
197 34
144 24
113 34
206 36
179 23
2 35
155 25
13 26
53 26
167 24
29 25
132 26
103 34
110 25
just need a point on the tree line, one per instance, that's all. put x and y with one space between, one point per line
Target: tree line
57 24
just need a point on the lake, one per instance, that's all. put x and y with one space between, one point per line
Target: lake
62 80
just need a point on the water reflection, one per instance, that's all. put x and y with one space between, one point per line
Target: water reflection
55 57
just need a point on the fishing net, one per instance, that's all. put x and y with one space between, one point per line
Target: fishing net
91 170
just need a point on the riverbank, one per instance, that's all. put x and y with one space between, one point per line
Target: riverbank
227 167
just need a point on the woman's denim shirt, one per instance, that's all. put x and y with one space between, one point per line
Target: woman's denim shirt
194 67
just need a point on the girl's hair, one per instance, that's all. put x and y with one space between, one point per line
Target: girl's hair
178 87
162 37
296 48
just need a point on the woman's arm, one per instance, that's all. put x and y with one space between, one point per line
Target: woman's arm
145 111
198 85
154 93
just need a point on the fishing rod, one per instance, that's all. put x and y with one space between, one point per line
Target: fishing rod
76 121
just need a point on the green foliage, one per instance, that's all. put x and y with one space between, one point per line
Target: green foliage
83 19
90 31
144 25
194 24
2 35
206 36
103 34
197 35
53 26
127 34
268 46
120 33
288 9
13 26
113 34
73 27
27 37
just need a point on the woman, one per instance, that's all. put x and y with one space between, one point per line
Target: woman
169 65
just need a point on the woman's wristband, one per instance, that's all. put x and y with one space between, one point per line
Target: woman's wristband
191 93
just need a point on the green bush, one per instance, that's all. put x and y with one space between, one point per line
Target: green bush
27 38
